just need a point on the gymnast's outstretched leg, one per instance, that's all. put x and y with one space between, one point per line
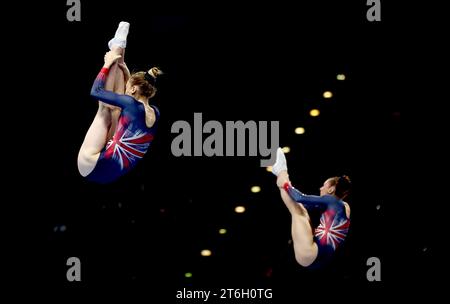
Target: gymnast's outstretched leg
305 248
116 83
116 78
105 121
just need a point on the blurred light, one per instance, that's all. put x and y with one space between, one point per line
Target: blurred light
239 209
327 94
378 207
255 189
314 113
188 275
286 150
269 169
299 130
206 252
340 77
222 231
60 228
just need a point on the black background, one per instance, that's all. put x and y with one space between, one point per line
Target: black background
262 63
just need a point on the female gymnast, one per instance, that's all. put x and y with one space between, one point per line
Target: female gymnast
315 249
125 123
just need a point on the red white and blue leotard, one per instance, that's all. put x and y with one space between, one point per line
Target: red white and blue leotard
334 223
131 139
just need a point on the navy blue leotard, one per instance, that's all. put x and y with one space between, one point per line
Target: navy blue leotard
334 223
131 139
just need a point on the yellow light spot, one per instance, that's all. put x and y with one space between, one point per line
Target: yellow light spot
327 94
255 189
206 252
340 77
269 169
286 150
188 275
314 112
299 130
239 209
222 231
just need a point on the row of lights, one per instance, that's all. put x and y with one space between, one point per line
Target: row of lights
237 209
316 112
286 149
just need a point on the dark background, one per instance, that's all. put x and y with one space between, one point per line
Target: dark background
267 63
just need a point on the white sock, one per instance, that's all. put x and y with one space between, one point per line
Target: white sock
120 38
280 163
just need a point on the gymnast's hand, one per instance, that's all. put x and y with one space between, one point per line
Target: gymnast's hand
110 58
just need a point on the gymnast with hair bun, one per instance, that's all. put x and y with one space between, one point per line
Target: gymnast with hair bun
315 248
125 123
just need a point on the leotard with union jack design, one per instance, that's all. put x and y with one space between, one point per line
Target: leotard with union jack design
131 139
334 223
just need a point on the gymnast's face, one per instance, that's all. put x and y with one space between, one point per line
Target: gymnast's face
327 188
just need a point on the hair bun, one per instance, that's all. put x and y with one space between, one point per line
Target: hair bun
155 72
344 177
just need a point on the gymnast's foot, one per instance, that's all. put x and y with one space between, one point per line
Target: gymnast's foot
280 163
120 38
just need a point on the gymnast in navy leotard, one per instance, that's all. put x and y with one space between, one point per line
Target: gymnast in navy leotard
132 138
315 248
125 124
